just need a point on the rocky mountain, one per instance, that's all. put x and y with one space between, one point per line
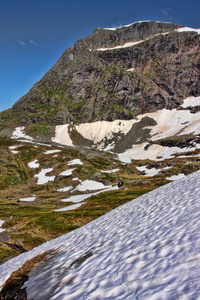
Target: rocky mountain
117 116
115 74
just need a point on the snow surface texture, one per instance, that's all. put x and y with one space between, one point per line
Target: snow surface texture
145 249
169 123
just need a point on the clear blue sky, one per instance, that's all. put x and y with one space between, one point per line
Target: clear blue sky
34 33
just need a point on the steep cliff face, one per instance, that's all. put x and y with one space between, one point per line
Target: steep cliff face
116 74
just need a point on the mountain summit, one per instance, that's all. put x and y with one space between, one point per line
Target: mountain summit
116 73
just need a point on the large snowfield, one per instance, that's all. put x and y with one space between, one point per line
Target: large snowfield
148 248
168 123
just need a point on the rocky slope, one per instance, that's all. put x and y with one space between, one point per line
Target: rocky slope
115 74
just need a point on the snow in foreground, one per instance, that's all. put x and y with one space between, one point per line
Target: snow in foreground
145 249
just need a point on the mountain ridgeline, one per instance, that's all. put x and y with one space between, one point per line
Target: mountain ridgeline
115 74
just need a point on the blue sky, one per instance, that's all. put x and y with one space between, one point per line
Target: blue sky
34 33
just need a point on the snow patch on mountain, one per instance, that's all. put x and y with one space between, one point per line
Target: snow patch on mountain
1 223
106 135
42 178
62 135
34 164
89 185
188 29
52 151
114 28
67 172
28 199
70 207
191 102
19 133
75 162
147 248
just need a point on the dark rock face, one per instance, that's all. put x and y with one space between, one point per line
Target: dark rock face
87 85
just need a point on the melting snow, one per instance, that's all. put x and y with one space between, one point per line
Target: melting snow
42 178
75 162
62 135
1 223
51 151
70 207
187 29
14 147
145 249
176 177
79 198
67 172
90 185
34 164
110 171
152 171
131 70
169 123
191 102
18 133
65 189
114 28
28 199
129 44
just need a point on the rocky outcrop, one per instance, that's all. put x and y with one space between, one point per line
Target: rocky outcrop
87 84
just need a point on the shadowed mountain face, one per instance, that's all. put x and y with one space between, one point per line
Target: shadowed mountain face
115 74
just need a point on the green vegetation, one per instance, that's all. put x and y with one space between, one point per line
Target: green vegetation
32 223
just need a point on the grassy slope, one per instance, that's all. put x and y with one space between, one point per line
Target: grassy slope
31 223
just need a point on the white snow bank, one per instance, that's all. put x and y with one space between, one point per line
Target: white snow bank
152 171
114 28
70 207
34 164
67 172
191 102
169 123
52 151
145 249
1 223
79 198
126 45
18 133
65 189
28 199
15 152
62 135
14 147
89 185
42 178
176 177
98 131
110 171
131 70
187 29
155 152
75 162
